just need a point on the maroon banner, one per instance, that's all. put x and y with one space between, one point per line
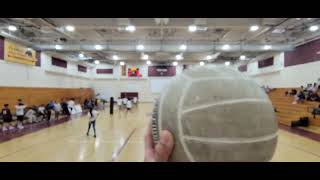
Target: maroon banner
305 53
265 62
104 71
1 47
129 95
38 55
82 68
161 71
242 68
59 62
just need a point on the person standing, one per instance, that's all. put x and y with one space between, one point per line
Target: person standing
93 115
129 104
20 113
7 118
119 103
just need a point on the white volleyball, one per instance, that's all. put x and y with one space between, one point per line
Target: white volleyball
216 114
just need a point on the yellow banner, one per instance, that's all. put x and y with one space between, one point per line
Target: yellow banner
17 53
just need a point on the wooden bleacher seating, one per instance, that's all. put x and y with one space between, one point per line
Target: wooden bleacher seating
38 96
288 112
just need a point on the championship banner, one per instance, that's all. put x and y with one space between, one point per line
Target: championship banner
17 53
161 71
134 72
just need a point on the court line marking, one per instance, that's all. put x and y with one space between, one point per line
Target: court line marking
116 154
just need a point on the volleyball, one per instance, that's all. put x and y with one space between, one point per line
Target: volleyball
216 114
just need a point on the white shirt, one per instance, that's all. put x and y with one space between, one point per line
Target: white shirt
129 104
94 115
41 109
20 110
71 103
119 102
135 100
125 100
57 107
30 113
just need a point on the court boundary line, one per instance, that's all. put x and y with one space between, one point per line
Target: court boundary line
116 154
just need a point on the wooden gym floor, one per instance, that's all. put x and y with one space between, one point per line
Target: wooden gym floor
119 139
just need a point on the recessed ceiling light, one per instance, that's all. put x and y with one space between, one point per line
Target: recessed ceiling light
226 47
12 28
98 47
97 62
140 47
192 28
227 63
267 47
254 28
298 19
201 63
209 57
148 62
81 55
70 28
122 63
175 63
183 47
313 28
179 57
58 47
115 57
242 57
130 28
145 57
309 19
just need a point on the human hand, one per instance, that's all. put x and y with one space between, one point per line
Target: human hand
162 150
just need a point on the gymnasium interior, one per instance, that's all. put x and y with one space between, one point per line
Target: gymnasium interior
105 62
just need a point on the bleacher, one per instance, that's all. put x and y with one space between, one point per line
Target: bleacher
288 112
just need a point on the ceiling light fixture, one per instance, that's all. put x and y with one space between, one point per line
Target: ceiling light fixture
12 28
81 55
227 63
179 57
242 57
183 47
70 28
254 28
313 28
201 63
140 47
226 47
209 57
130 28
97 62
98 47
145 57
122 63
267 47
175 63
58 47
115 57
149 62
192 28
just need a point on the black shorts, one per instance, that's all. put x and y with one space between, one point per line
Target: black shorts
20 118
128 108
7 120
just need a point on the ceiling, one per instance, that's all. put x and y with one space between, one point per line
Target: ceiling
161 37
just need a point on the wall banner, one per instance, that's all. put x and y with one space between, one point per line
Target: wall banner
17 53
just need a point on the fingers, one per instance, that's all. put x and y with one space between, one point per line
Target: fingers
164 148
148 138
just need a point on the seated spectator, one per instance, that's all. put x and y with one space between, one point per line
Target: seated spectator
64 107
31 115
7 118
299 98
286 93
57 110
41 112
49 109
314 88
293 92
316 111
313 97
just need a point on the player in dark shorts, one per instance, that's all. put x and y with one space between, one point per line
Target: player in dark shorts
7 117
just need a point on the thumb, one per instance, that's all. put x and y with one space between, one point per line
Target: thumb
164 148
